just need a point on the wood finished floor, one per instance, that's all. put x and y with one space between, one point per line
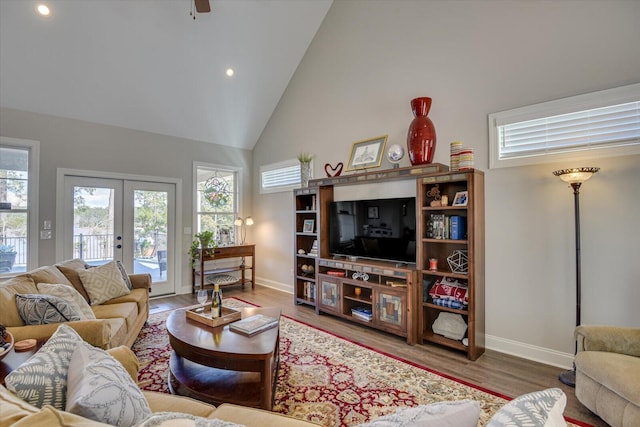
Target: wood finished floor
504 374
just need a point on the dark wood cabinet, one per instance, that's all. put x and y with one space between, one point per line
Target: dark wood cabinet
244 256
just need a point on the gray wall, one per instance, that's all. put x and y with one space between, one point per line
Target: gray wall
370 58
75 144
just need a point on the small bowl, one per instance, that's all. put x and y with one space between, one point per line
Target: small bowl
11 342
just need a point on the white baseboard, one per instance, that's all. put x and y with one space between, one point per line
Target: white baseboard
278 286
530 352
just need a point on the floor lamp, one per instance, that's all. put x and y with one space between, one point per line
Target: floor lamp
575 177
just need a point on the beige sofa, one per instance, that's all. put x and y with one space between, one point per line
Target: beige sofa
608 373
17 413
118 321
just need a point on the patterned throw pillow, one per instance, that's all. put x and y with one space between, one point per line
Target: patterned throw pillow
41 309
461 413
103 283
69 294
168 419
42 380
123 273
537 409
99 388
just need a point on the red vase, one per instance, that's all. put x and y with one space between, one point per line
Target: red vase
421 139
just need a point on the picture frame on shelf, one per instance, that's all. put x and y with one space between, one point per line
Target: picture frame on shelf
373 212
307 226
461 198
367 154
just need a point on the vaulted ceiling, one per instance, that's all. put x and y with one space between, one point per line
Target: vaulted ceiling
148 65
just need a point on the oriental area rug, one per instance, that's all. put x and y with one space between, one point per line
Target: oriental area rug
324 378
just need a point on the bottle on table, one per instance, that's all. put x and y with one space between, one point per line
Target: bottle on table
216 302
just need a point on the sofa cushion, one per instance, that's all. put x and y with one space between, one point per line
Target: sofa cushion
69 294
103 283
538 409
49 416
101 389
462 413
42 379
74 263
42 309
619 373
72 275
159 402
47 274
9 315
12 408
124 310
138 296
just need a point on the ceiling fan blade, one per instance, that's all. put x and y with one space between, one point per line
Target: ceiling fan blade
202 6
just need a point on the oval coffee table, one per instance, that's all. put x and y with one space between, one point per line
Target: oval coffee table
216 365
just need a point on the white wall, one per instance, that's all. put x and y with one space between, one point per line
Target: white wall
75 144
370 58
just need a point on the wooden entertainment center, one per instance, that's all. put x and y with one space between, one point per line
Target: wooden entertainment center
395 296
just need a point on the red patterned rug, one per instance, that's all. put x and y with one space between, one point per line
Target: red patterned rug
327 379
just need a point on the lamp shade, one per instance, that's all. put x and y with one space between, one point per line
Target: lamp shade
249 221
238 222
575 175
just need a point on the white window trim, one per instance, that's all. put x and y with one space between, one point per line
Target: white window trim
588 101
281 165
33 195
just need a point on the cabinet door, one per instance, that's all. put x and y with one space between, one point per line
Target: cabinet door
329 294
391 310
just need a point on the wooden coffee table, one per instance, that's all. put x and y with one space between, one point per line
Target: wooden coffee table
216 365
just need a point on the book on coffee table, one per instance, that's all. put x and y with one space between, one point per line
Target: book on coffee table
254 324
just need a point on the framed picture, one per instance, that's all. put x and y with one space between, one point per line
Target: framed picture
367 154
307 226
372 212
461 198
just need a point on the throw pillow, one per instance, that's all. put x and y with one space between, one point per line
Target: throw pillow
462 413
537 409
103 283
168 419
42 380
72 275
123 273
69 294
99 388
41 309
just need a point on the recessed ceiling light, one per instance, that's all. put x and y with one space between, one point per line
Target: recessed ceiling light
229 72
43 9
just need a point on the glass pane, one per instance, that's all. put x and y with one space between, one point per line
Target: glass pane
93 224
216 204
150 233
391 308
13 242
14 175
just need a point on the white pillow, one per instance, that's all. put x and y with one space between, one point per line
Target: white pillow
69 294
103 283
170 419
99 388
42 379
462 413
537 409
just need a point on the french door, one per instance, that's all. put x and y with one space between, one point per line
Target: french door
108 219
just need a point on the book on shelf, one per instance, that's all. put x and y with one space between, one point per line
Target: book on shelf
254 324
362 313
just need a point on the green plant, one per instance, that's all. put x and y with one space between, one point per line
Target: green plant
305 157
7 249
202 240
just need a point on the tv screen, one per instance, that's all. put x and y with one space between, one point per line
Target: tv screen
379 229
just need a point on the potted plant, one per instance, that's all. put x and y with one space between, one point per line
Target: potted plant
202 240
305 168
7 257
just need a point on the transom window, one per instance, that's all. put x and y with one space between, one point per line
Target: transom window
598 124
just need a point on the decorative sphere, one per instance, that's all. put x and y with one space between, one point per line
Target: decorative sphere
395 153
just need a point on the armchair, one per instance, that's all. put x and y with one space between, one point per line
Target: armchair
608 373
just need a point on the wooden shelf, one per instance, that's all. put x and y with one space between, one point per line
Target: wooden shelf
208 255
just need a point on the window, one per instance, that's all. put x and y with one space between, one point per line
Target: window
281 176
605 123
216 201
18 198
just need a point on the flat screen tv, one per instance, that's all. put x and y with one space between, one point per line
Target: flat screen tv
378 229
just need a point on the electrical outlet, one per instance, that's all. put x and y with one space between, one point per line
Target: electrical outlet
45 234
